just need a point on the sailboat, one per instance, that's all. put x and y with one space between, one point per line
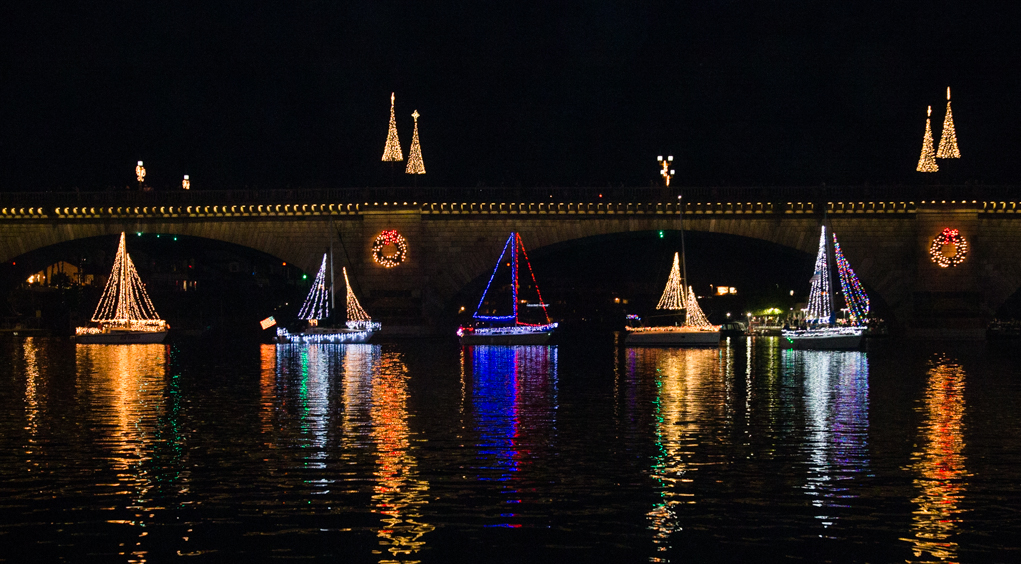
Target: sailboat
498 319
696 329
821 330
358 328
124 313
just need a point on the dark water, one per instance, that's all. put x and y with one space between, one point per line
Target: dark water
582 452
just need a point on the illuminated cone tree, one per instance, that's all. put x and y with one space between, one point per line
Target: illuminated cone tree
927 160
820 298
673 293
392 151
356 316
948 139
125 301
317 303
855 296
694 316
415 164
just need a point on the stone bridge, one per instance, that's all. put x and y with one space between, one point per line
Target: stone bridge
452 243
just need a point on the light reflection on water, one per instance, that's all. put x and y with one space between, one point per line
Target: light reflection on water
836 396
405 452
127 388
374 416
513 403
938 465
690 401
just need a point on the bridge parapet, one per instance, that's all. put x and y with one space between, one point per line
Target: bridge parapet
318 209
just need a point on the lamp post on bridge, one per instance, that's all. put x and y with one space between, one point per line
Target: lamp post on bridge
140 174
667 172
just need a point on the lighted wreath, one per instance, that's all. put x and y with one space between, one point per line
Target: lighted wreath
389 237
953 238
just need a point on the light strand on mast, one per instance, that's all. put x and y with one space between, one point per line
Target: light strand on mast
317 303
673 293
819 309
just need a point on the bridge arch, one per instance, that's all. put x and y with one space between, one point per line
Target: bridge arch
474 250
632 266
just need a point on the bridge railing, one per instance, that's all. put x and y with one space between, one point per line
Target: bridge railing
508 195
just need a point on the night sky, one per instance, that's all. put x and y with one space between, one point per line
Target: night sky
253 94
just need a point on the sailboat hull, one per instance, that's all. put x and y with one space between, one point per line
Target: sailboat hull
844 339
507 339
121 338
672 338
323 335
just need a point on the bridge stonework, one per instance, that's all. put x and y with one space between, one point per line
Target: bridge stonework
452 244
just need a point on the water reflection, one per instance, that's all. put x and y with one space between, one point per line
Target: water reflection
513 394
400 493
30 352
137 423
690 410
939 464
308 369
374 420
836 398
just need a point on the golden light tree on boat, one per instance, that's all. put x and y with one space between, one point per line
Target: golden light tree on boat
357 318
927 160
125 301
694 316
392 151
948 139
673 294
415 164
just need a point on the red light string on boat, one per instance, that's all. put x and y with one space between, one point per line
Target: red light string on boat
514 275
532 272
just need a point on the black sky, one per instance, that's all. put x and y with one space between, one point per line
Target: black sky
518 93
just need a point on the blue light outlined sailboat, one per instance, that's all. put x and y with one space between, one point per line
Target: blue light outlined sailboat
493 323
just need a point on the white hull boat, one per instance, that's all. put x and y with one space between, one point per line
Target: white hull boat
670 337
121 337
124 314
507 336
821 331
826 338
696 330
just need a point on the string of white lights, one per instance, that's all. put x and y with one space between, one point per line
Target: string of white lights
317 303
124 299
354 309
948 138
819 309
694 316
927 160
673 293
415 163
392 151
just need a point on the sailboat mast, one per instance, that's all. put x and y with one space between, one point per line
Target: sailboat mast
122 282
333 287
514 274
684 263
830 261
